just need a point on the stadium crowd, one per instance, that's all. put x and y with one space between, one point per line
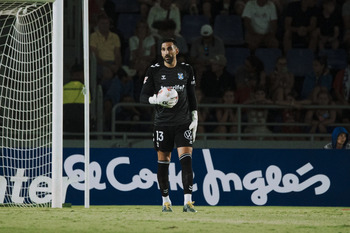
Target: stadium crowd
262 68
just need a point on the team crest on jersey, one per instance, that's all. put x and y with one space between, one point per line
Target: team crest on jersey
145 79
180 76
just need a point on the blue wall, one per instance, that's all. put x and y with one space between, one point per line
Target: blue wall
222 177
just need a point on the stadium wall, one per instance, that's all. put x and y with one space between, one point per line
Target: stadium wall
225 177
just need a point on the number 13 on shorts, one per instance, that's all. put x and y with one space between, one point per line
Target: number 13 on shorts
159 137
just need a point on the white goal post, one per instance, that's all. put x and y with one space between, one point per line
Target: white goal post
31 102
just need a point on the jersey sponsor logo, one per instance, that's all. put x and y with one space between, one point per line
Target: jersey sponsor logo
180 76
178 88
145 79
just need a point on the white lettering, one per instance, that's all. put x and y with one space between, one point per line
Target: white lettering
17 186
39 189
261 186
3 187
144 175
77 176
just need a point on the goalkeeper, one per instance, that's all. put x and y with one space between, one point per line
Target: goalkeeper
175 120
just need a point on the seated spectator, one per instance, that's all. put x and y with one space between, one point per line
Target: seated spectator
120 90
212 8
145 6
187 7
248 77
239 7
346 24
281 81
106 47
258 116
98 8
341 89
164 10
319 79
260 21
226 115
205 48
73 102
328 29
217 79
142 46
321 119
290 116
340 139
300 23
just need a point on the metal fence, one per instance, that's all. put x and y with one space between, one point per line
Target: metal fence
277 129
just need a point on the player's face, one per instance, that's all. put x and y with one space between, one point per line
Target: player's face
341 138
169 52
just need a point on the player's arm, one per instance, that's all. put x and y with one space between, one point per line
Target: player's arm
148 94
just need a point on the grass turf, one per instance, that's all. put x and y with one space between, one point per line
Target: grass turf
151 219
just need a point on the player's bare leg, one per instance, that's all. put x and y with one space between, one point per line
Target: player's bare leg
185 157
163 179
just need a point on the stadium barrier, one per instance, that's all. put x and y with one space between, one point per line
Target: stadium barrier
277 129
225 177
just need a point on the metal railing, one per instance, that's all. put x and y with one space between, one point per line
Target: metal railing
240 124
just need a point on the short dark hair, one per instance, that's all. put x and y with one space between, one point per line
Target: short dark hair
172 40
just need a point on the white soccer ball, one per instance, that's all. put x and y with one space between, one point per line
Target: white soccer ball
168 97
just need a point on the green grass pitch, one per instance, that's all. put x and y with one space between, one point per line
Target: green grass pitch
209 219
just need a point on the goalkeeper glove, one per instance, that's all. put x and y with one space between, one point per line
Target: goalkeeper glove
166 104
194 124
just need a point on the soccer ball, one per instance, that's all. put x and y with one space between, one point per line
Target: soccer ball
167 97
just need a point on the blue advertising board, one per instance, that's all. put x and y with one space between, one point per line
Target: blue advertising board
225 177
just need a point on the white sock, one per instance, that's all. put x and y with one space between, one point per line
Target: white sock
188 198
166 199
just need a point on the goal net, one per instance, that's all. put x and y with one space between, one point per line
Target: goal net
26 103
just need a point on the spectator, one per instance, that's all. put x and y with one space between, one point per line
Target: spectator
239 7
340 139
248 77
226 115
145 6
205 48
289 115
217 79
328 29
105 45
120 90
98 8
258 116
187 6
162 11
142 46
212 8
341 89
300 23
319 79
321 119
281 81
260 21
346 24
73 102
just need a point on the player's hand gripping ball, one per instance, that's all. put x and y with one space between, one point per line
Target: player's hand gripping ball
167 97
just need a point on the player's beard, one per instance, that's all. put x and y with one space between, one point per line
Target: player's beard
168 59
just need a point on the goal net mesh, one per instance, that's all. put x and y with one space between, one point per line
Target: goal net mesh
26 103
